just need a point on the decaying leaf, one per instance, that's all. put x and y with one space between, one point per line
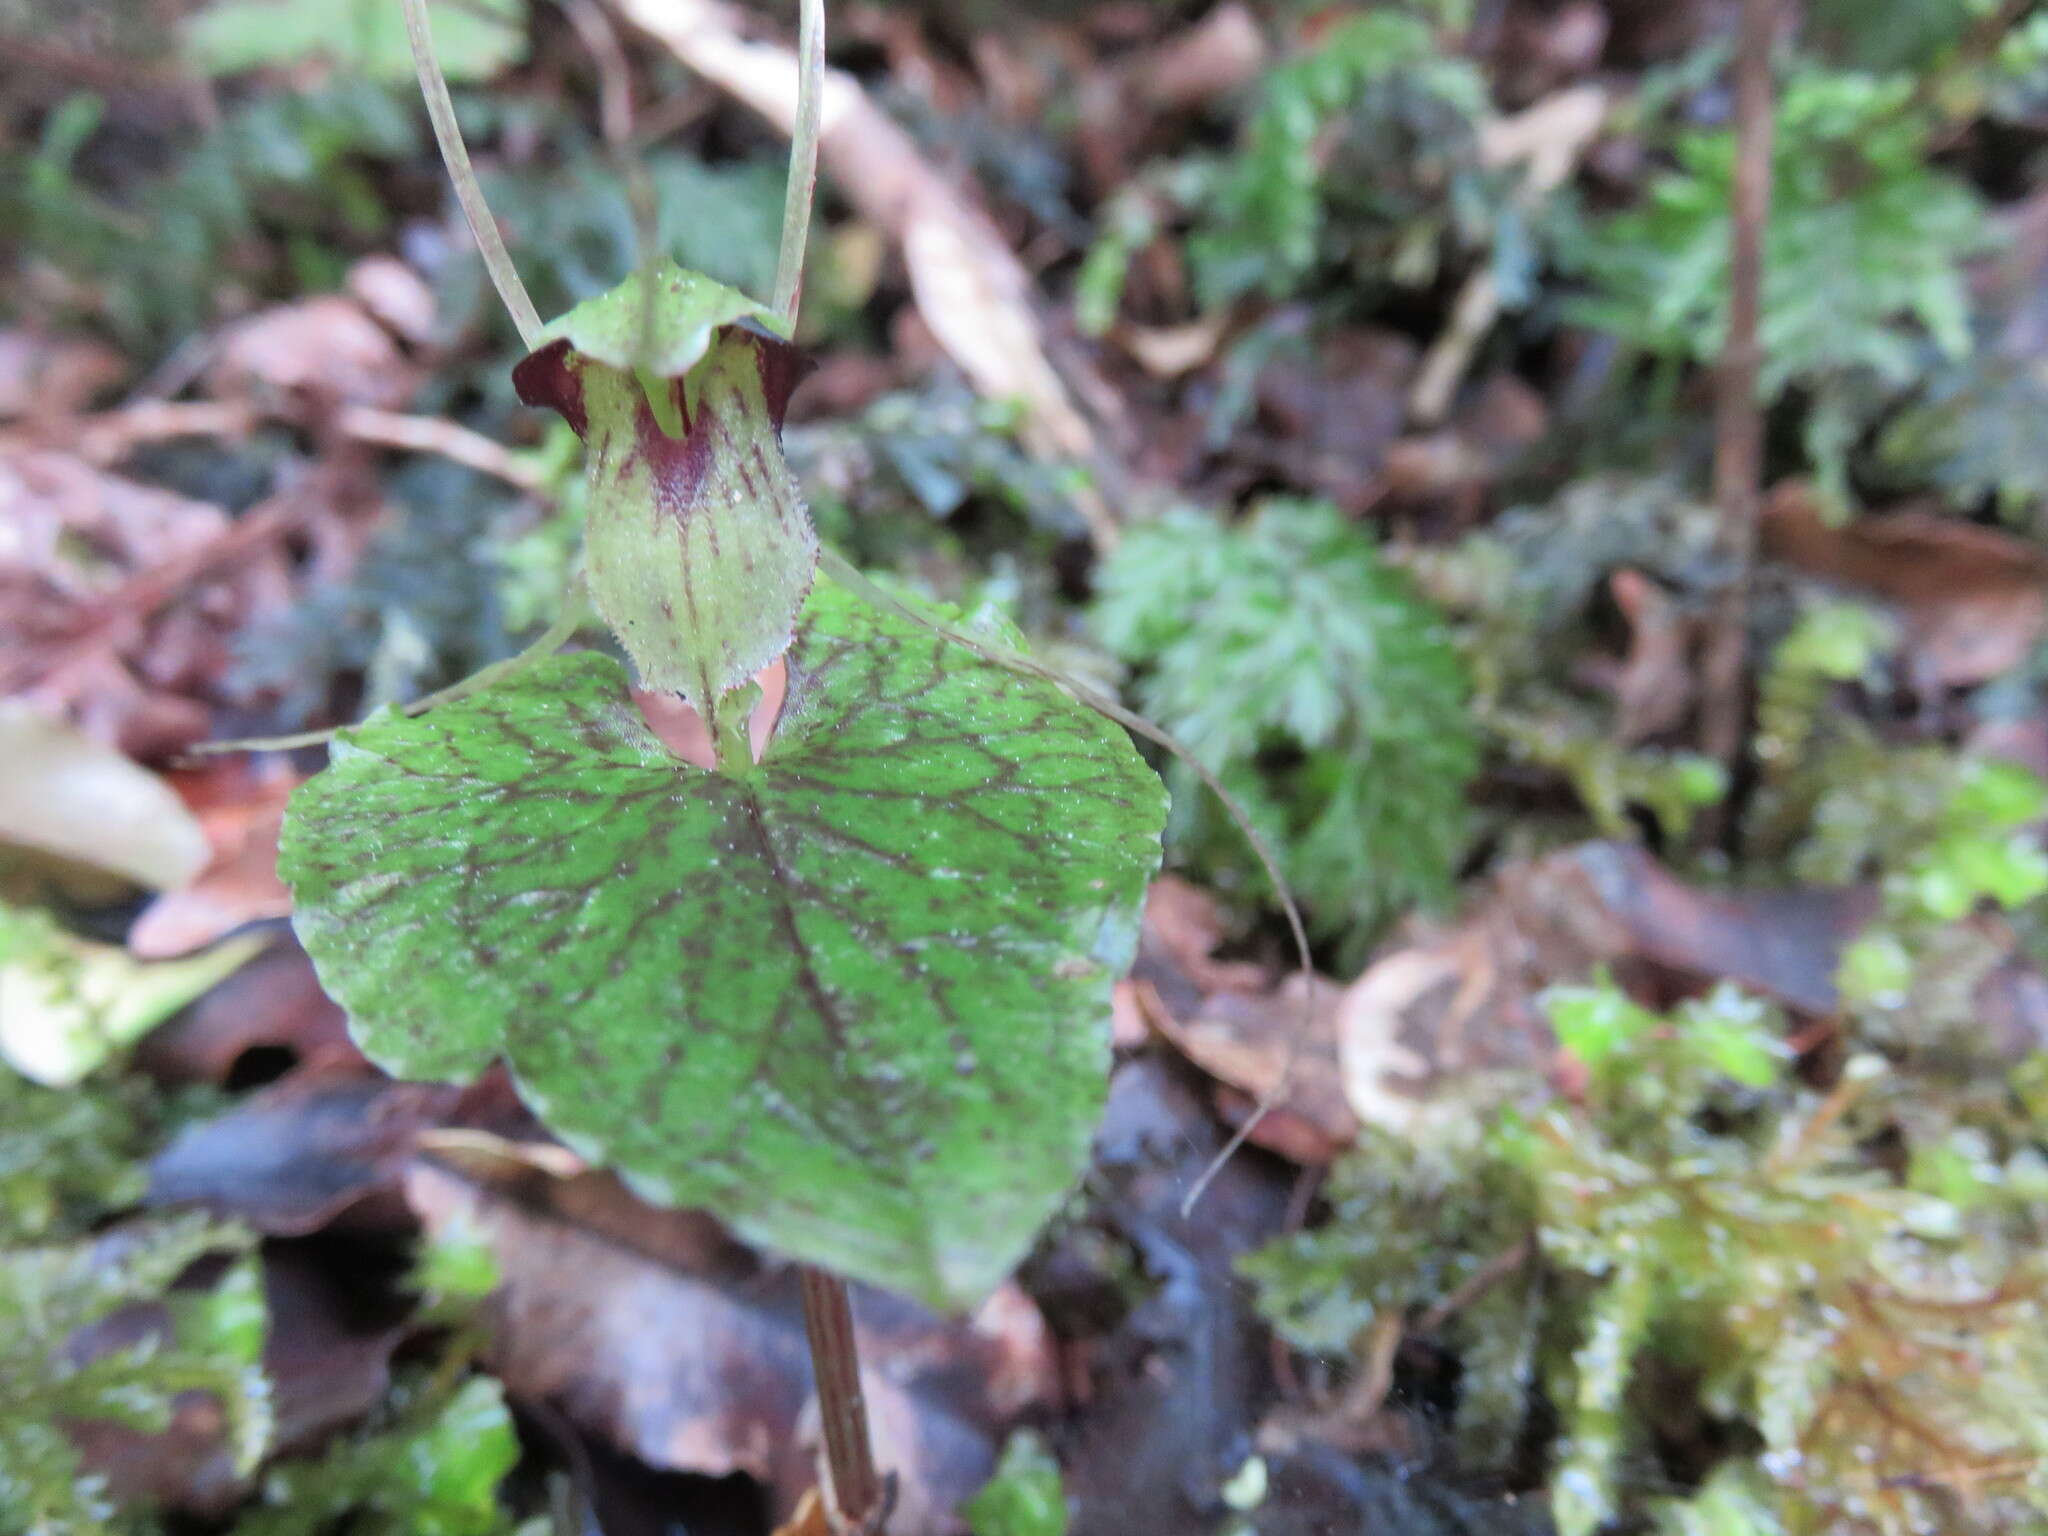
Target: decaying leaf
1655 684
1250 1041
324 349
1449 1019
67 796
314 1150
52 377
273 1004
240 806
1975 600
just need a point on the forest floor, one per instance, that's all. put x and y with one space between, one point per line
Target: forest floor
1662 1142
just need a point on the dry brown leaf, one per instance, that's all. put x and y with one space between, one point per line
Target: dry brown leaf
64 795
326 348
1329 416
73 529
395 295
1249 1041
1207 61
116 598
1450 1018
1654 687
1437 1030
272 1004
240 805
52 377
1168 351
1975 600
1183 927
315 1149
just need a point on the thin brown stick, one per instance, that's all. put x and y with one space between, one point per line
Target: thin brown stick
1477 1284
110 436
600 40
828 1319
1738 414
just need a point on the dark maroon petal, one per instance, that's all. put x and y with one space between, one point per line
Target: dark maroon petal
783 367
547 380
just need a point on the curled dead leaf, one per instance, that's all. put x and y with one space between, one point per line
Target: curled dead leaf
1654 687
1449 1021
1974 599
325 348
1250 1042
240 805
66 796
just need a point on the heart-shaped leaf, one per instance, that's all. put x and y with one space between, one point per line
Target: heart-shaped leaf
853 998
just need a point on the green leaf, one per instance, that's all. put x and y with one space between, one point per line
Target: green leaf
1995 795
1024 1497
1732 1034
435 1472
853 998
1593 1023
474 40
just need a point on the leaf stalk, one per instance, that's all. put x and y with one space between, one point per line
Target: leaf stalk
857 1491
469 191
803 163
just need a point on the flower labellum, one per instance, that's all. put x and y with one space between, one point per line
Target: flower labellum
699 550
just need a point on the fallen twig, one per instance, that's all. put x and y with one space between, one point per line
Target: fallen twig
1476 1285
110 436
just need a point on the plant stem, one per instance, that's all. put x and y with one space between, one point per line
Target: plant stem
828 1320
1738 415
803 162
468 191
857 1492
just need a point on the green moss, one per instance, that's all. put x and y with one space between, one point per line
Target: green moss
1868 1348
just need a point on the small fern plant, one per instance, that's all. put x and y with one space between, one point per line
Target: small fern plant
1322 687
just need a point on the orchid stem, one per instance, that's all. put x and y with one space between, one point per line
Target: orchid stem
858 1493
803 163
468 190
